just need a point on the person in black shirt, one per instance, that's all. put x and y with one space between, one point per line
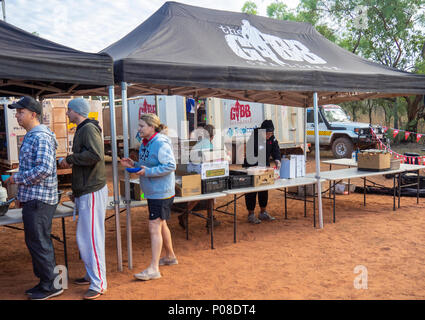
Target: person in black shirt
272 150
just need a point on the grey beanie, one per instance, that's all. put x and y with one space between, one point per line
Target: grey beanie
80 106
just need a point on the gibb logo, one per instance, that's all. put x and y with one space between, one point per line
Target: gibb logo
147 108
240 112
251 44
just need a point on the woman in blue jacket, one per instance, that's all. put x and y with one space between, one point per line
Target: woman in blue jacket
157 163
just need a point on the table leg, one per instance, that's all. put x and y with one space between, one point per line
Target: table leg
211 217
234 219
394 192
305 201
286 208
65 252
417 190
314 204
399 189
364 192
330 182
187 223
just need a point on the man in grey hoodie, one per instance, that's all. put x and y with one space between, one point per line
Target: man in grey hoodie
38 194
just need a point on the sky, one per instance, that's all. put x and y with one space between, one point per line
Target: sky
92 25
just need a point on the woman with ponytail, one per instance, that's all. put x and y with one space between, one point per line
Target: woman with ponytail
157 166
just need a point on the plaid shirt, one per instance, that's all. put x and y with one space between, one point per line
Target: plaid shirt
37 178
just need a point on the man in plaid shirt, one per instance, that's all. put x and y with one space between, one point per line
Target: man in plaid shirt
37 193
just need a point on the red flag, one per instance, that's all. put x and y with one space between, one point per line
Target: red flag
418 137
406 135
395 133
385 129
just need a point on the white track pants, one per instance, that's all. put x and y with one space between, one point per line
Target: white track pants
91 236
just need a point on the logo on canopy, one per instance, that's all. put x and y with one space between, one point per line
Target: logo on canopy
251 44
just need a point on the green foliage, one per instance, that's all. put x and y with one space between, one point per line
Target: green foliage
250 7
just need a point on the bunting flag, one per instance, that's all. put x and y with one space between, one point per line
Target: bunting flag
395 133
385 129
406 135
418 137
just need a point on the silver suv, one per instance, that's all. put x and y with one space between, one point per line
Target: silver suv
339 133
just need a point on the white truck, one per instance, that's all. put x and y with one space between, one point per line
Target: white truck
233 120
54 116
339 133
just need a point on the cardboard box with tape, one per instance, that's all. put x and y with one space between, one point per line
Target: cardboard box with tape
262 176
374 160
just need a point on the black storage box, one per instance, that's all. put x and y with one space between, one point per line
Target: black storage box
214 184
238 179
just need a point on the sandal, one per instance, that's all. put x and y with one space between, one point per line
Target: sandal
145 275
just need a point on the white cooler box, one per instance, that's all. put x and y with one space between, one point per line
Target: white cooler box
209 170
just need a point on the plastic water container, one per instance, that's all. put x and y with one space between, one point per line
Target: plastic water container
3 194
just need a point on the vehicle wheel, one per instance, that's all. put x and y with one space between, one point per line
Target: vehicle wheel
342 148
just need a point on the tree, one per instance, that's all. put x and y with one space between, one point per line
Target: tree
250 7
390 32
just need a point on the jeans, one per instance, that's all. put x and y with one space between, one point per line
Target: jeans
37 218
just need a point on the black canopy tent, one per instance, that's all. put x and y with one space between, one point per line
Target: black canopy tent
183 50
187 50
30 65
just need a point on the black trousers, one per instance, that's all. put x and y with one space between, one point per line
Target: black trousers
37 218
251 199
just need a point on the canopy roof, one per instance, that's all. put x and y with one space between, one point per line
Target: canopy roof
187 50
30 65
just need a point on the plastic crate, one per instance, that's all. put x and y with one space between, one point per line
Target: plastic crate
239 179
214 184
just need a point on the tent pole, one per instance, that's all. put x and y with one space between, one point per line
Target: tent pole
115 175
317 156
126 174
305 134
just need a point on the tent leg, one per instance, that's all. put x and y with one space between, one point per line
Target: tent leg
317 158
115 175
126 174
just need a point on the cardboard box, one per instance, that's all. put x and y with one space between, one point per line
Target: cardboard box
265 178
288 168
188 184
300 165
374 160
395 164
136 193
209 170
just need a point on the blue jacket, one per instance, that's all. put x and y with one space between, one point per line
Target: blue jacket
158 158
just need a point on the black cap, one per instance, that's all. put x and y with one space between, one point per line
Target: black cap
27 102
268 125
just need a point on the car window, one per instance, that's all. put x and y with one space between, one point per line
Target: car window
310 117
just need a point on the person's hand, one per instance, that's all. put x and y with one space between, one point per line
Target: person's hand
64 164
127 162
278 164
141 172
